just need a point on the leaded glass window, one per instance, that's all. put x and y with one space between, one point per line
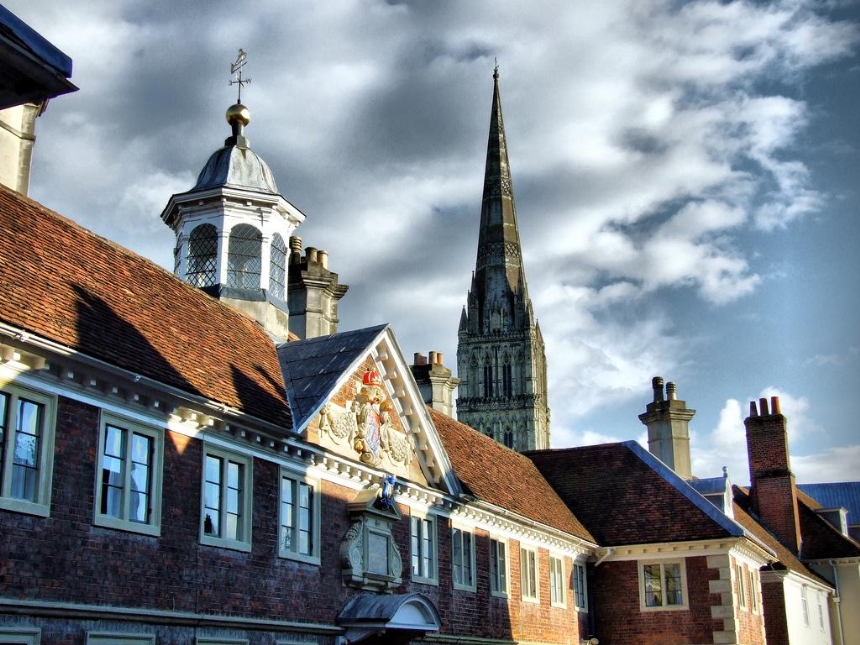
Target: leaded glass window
202 263
244 261
278 268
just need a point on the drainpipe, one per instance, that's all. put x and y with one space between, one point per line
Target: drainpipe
838 602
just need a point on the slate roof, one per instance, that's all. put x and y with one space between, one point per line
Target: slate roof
843 494
502 477
237 167
625 495
66 284
709 485
312 367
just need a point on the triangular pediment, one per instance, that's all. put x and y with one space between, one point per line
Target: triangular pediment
353 394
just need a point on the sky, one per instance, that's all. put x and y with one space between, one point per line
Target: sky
685 175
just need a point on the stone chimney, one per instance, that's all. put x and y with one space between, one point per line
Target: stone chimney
435 381
313 292
668 421
772 488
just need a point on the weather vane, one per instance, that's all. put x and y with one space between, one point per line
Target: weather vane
236 68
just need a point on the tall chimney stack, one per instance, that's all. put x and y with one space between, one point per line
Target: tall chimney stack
668 421
773 493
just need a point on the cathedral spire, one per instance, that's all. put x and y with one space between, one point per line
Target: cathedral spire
500 354
499 249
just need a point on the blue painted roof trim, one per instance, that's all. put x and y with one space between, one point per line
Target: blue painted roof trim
685 489
35 42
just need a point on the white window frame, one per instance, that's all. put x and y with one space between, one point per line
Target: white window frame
156 435
423 547
21 635
804 604
685 603
529 584
742 587
557 595
41 505
296 481
465 537
112 638
579 577
755 587
500 572
242 543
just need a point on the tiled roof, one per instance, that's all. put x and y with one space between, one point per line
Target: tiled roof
64 283
312 367
842 494
626 496
822 540
744 517
497 475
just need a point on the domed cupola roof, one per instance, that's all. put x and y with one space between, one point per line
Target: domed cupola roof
236 165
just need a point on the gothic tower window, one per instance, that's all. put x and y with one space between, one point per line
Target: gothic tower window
507 378
278 268
488 379
202 256
509 438
244 261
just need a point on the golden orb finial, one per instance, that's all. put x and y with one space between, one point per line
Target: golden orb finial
238 114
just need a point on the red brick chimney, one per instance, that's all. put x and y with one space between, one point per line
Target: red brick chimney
773 493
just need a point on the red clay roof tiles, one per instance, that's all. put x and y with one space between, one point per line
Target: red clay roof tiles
504 478
64 283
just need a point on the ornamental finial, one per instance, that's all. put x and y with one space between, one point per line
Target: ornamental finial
496 69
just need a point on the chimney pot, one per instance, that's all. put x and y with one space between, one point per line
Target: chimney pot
311 254
432 358
774 405
657 384
671 391
323 258
762 406
439 358
753 409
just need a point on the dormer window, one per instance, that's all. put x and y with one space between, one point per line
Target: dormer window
244 262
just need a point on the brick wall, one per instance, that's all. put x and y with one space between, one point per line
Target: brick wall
619 619
66 559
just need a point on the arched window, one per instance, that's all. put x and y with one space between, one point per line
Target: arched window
202 256
244 261
278 268
509 438
488 377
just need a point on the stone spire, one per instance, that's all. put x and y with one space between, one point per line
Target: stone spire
500 355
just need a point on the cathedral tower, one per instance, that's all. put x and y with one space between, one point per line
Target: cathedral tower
501 361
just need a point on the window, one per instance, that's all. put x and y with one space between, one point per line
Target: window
662 585
754 590
579 587
108 638
498 567
742 594
488 379
299 523
202 256
226 513
507 380
804 605
508 438
464 559
128 482
423 549
21 635
278 268
26 450
820 612
528 574
556 581
244 262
